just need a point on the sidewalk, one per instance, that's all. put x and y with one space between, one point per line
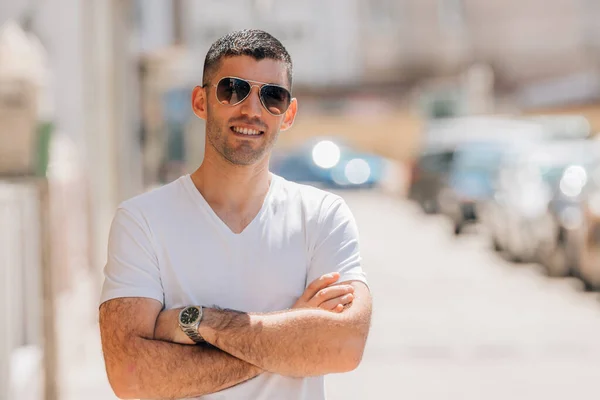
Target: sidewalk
81 365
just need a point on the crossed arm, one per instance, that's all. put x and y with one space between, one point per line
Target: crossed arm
142 359
138 366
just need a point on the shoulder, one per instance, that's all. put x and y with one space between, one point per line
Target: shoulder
155 201
313 201
318 208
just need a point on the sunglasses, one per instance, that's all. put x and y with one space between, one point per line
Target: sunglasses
232 91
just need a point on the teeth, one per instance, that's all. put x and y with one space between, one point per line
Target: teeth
246 131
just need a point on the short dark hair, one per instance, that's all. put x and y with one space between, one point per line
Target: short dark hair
248 42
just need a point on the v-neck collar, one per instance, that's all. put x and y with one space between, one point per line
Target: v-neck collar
201 201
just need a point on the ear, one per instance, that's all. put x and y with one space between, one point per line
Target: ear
290 116
199 102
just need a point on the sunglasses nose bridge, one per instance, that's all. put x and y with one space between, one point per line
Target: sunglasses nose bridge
252 104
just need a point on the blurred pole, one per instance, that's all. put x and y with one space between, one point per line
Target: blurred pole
125 100
112 145
49 319
478 82
177 22
99 121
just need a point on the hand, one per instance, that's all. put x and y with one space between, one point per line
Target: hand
322 293
167 328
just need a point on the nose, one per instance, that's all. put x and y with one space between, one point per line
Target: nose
252 106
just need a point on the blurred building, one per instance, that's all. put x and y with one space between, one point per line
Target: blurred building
91 167
321 36
530 40
470 56
412 39
521 40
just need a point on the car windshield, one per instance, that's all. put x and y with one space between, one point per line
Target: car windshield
551 174
486 160
436 161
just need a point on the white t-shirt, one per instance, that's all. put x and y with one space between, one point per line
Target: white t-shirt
169 245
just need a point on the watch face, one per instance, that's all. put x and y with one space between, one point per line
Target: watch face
189 315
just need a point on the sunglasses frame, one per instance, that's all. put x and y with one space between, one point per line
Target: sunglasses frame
252 84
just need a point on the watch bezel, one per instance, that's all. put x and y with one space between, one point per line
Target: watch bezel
193 323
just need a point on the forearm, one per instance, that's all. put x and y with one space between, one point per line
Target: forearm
302 342
156 369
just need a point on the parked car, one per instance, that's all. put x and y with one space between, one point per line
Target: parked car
558 251
585 237
476 164
526 205
518 207
330 162
429 175
432 166
470 181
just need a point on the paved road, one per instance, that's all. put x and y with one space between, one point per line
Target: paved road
452 320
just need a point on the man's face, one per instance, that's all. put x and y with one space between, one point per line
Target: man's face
223 120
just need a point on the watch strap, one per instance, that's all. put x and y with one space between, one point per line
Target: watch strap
193 333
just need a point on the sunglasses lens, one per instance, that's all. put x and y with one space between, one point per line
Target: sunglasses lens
232 91
275 99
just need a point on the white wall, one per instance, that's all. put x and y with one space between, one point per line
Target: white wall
321 36
154 22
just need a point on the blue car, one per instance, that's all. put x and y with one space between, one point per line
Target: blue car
331 163
471 181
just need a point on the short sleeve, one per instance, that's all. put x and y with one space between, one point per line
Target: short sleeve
132 265
336 247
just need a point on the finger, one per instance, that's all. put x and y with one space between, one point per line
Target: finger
329 293
336 306
318 284
333 304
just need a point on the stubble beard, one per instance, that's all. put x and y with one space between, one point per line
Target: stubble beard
244 153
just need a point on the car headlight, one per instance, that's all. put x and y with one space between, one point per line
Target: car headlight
573 180
326 154
357 171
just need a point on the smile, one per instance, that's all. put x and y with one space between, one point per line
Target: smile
246 131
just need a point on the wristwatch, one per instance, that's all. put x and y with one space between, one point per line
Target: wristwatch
189 320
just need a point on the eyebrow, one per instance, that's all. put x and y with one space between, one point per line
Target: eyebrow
255 81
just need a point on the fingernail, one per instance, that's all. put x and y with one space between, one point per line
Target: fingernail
328 276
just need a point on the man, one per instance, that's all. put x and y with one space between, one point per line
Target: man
221 258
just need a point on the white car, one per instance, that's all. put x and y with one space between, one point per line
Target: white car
524 222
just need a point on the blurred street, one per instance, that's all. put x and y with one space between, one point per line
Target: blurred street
452 320
426 115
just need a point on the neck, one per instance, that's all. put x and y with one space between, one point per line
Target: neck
233 187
